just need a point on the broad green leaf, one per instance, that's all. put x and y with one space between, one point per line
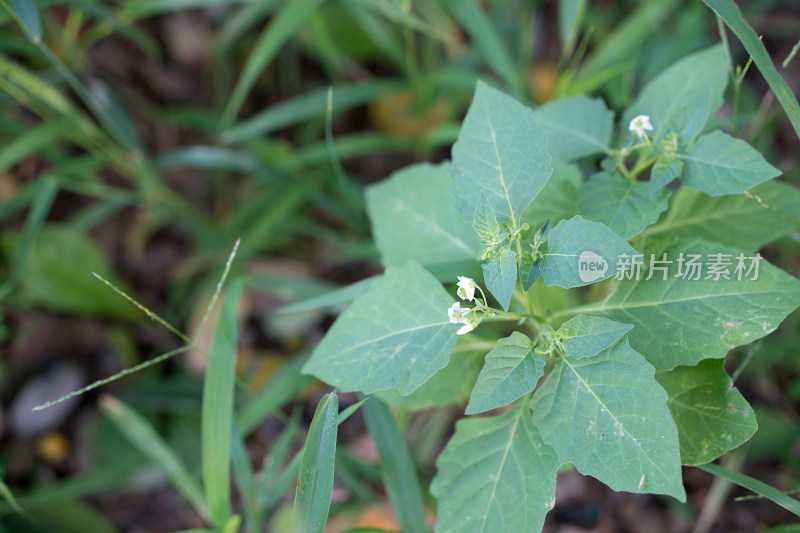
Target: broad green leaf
689 80
718 164
679 320
576 126
485 223
529 272
608 416
511 370
144 438
500 274
586 336
413 217
663 172
746 221
51 282
217 412
730 13
626 206
559 197
397 467
502 152
580 252
452 383
315 478
396 335
509 472
712 416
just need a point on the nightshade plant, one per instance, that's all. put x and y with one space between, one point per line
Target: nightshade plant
628 387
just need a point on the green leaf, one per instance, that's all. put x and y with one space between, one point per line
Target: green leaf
587 336
28 16
718 164
756 486
144 437
509 472
570 15
712 416
397 467
730 13
664 171
529 272
746 221
315 478
626 206
608 416
49 281
281 27
697 76
559 197
217 412
500 274
485 223
483 33
576 126
452 383
396 335
511 370
502 152
575 242
681 321
413 217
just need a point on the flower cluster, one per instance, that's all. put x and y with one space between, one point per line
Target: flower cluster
469 316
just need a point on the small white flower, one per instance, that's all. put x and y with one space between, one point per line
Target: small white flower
466 288
639 124
466 328
456 314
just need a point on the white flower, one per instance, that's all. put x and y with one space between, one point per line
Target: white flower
466 288
466 328
639 124
456 314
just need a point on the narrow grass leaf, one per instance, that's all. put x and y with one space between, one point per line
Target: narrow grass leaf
315 479
145 438
397 467
730 13
217 410
280 29
762 489
26 13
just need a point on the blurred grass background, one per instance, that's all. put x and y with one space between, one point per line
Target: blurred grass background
140 139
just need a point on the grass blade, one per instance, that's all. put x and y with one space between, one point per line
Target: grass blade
283 26
40 208
397 467
245 478
145 438
762 489
315 479
286 382
217 413
729 12
8 496
481 31
30 142
309 105
28 16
